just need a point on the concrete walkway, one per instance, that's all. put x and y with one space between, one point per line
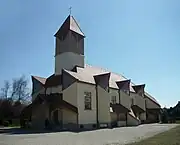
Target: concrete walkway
99 137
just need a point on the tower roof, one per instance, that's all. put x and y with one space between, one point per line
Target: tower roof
69 24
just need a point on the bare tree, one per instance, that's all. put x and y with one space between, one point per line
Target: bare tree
20 90
14 97
5 90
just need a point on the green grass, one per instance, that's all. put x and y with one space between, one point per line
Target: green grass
171 137
13 125
178 121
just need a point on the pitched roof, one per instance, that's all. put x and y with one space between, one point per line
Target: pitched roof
87 74
74 26
53 80
70 24
40 79
151 98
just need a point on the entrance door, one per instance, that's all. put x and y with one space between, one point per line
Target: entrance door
55 117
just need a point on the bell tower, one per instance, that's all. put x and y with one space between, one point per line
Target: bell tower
69 46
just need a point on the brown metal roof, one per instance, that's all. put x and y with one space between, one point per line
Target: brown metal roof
53 80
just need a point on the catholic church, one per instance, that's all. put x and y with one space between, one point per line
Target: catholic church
80 96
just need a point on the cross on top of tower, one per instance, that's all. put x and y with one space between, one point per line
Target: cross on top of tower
70 9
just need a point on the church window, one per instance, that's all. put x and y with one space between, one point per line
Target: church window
113 99
87 100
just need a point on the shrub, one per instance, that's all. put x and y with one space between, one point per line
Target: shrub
6 123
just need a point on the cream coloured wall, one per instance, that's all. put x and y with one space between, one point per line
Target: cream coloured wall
69 117
103 106
125 99
150 104
70 94
131 121
114 92
121 123
86 116
138 100
143 116
113 116
67 60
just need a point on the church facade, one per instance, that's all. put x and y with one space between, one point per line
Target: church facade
78 95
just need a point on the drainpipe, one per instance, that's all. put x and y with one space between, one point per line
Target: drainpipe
119 96
146 109
118 117
97 114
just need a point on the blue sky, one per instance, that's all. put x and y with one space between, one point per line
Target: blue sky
139 39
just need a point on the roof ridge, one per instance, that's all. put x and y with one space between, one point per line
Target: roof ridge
106 69
77 25
39 77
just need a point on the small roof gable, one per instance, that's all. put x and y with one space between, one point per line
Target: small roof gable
69 24
40 79
125 85
53 80
138 88
102 80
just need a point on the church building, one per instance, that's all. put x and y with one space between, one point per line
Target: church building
80 96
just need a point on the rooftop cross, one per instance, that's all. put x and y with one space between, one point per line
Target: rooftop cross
70 8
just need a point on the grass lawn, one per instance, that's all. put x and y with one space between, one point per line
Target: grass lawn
171 137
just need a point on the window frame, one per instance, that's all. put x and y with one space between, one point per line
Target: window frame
87 104
113 99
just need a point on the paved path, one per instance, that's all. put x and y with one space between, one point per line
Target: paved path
115 136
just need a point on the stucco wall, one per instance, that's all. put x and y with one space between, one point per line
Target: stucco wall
86 116
138 100
69 117
125 99
113 116
131 121
143 116
114 92
68 60
39 114
70 94
150 104
121 123
103 106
